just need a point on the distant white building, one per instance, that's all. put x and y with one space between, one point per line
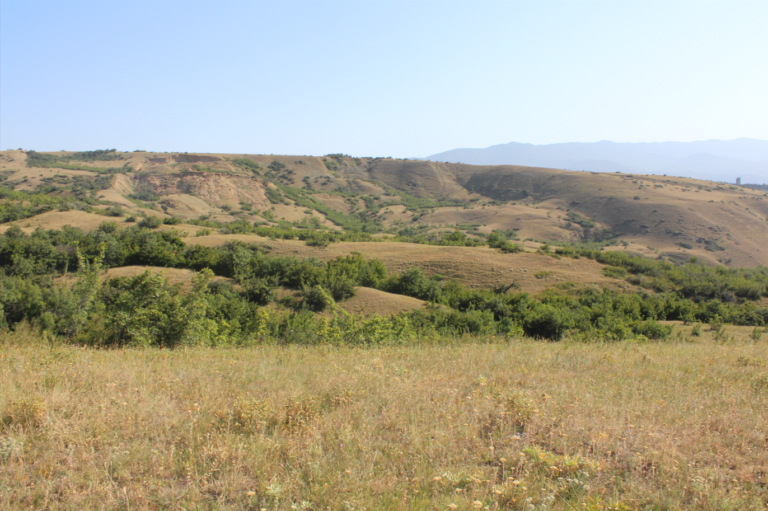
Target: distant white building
738 180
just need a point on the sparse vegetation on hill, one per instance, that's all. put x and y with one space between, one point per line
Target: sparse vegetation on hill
247 164
44 160
98 155
448 400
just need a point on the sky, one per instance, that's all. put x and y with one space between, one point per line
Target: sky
366 78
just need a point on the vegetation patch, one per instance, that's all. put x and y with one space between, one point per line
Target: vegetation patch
45 160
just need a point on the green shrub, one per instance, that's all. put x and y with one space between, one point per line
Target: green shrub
696 330
276 166
246 164
172 220
114 211
548 322
146 311
259 290
413 282
274 195
615 272
109 227
318 241
150 222
510 248
315 298
144 192
652 330
340 286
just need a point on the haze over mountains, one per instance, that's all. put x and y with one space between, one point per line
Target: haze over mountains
715 160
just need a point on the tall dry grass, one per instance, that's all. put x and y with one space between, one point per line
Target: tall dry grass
524 425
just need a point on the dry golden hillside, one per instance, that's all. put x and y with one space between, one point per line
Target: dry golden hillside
658 216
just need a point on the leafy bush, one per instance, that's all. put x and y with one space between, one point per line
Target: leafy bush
315 298
114 211
498 240
259 290
548 322
146 311
246 164
109 227
274 195
150 222
340 286
615 272
172 220
413 282
144 193
652 330
318 241
586 223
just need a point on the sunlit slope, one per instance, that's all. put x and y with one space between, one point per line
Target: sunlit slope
658 216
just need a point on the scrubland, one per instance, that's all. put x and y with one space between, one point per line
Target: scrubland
455 423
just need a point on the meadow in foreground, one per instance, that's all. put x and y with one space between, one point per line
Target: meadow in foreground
521 425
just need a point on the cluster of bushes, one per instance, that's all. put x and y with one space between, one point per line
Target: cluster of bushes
146 310
274 195
144 192
359 222
97 155
692 280
247 164
19 205
586 223
44 160
288 232
497 240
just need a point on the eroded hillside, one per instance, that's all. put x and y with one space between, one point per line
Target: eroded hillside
657 216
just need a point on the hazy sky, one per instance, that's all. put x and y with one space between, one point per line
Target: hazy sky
377 78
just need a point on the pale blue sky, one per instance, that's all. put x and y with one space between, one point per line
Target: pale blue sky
377 78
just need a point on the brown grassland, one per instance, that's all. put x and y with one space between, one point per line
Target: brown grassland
445 424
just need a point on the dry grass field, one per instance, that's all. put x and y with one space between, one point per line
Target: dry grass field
448 425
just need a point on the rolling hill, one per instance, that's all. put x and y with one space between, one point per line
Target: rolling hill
657 216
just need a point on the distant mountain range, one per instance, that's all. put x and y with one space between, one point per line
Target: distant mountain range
715 160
